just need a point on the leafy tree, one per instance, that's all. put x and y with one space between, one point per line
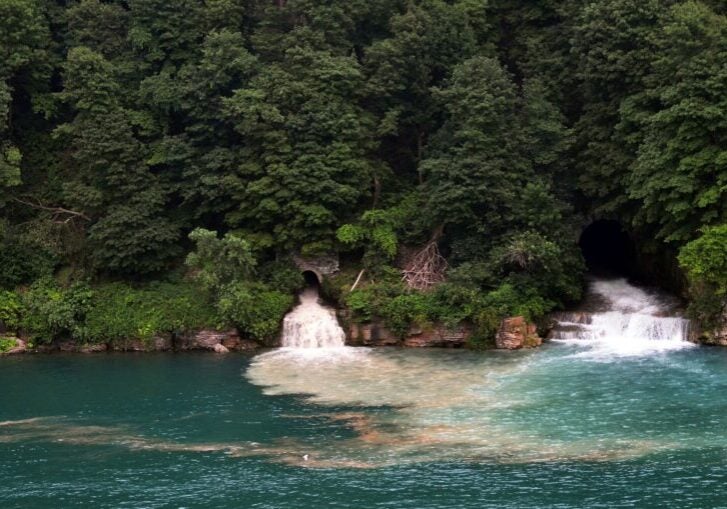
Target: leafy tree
100 26
613 50
225 268
165 32
218 262
255 309
705 258
109 180
51 311
426 42
680 173
705 262
378 232
199 147
24 39
475 170
305 162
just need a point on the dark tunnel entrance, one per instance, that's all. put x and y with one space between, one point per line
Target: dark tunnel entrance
608 249
311 279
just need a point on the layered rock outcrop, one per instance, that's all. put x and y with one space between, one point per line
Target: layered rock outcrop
209 340
716 336
374 334
515 333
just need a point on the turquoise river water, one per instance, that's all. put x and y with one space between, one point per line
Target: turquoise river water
566 425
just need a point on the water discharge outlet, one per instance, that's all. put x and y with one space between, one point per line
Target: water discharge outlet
312 325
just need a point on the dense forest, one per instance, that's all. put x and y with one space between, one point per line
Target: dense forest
161 162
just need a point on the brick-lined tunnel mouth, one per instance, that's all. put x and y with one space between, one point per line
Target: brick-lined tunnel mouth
608 249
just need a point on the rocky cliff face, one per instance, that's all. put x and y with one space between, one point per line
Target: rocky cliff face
374 334
516 333
207 339
716 336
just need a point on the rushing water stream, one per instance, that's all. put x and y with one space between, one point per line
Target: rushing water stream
311 325
618 318
588 420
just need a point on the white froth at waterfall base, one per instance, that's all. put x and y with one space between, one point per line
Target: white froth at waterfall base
628 321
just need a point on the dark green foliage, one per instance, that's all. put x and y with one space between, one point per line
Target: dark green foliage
105 313
283 276
219 262
122 198
680 173
254 309
378 232
304 162
493 129
53 312
24 39
705 262
225 268
475 170
10 310
7 343
613 49
23 259
122 312
705 259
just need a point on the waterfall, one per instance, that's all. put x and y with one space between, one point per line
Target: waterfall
311 325
624 319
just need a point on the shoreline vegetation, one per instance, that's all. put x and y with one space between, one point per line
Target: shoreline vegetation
165 167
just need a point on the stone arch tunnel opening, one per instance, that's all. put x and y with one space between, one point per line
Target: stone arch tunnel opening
607 249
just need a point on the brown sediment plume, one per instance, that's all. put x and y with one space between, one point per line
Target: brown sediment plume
372 447
380 439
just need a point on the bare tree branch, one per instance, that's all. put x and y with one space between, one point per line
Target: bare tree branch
426 268
60 215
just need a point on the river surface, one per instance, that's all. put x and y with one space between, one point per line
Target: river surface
561 426
618 410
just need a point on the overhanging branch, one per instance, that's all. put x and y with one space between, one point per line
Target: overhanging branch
59 215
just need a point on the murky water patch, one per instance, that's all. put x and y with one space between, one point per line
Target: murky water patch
447 407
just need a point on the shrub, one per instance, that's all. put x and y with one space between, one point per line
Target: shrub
220 261
10 309
123 312
254 308
705 262
282 276
705 259
225 268
6 344
403 311
50 311
23 262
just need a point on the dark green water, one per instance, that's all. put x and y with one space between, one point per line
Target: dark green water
382 429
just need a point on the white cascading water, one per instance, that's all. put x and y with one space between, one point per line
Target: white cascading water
312 325
620 318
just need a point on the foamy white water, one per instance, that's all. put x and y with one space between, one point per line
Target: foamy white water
627 320
312 325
